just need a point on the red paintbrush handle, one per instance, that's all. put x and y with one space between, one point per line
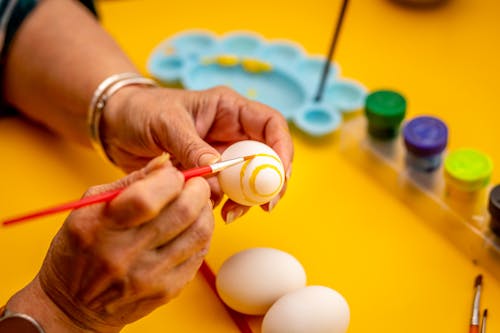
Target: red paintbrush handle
196 172
473 329
103 197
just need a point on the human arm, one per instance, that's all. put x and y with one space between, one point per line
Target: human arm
61 54
55 62
111 264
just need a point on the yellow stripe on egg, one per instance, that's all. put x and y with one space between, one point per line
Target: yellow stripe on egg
256 181
252 179
254 175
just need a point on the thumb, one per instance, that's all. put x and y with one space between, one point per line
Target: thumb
187 146
156 163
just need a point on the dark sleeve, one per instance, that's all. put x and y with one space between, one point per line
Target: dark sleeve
12 15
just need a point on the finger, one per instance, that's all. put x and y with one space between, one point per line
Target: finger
179 215
216 193
250 120
266 124
193 240
82 224
231 211
144 199
158 162
178 135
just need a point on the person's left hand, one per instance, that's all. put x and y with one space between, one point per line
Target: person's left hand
194 126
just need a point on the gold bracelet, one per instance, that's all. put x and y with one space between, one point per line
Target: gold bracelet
103 92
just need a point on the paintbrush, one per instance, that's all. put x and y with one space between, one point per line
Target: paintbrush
329 57
483 322
474 321
108 196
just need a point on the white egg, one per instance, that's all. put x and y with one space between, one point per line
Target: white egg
256 181
250 281
313 309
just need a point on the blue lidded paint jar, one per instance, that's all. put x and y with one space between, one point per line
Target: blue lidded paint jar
425 139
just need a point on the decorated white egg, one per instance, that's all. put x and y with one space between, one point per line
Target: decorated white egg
255 181
312 309
250 281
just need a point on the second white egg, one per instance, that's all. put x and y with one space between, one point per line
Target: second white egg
313 309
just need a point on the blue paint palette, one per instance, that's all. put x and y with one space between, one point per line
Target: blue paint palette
278 73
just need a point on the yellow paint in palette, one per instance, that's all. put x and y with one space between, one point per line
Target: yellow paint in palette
169 50
256 66
227 60
252 93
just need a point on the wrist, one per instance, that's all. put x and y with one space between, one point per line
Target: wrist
119 101
33 301
104 92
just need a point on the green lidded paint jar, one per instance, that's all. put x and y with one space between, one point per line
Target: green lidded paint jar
384 110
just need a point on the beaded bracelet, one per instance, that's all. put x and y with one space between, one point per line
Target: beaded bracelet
104 91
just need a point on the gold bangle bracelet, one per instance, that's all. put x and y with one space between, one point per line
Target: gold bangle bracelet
105 90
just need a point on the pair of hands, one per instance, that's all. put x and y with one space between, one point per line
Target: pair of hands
194 127
112 264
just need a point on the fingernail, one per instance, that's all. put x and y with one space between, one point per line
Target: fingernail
273 203
233 215
156 162
211 203
203 252
289 172
207 159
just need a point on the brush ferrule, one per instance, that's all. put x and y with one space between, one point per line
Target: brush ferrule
476 307
225 164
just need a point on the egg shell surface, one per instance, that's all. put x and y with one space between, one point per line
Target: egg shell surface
312 309
256 181
250 281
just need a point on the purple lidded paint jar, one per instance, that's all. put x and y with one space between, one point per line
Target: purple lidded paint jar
425 139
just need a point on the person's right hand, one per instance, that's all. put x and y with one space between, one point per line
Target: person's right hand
111 264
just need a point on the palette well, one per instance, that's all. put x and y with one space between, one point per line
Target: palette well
278 73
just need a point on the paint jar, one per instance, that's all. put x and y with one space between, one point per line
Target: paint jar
467 172
425 139
494 210
384 110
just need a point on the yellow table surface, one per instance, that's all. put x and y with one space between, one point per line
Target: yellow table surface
349 233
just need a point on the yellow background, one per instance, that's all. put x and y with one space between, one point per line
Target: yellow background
350 233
